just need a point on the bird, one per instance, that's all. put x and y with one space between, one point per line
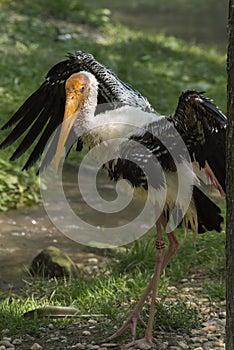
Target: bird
140 155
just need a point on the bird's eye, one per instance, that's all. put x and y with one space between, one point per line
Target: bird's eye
82 89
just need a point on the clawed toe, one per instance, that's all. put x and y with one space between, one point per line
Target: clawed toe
143 343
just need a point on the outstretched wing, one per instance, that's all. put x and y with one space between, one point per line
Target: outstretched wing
203 128
43 111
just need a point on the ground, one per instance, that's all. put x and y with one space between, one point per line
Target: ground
86 333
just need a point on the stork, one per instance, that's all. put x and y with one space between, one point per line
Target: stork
73 97
203 119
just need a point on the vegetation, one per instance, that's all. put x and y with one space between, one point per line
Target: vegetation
33 37
113 293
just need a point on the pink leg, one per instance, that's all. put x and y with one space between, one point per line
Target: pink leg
213 179
161 262
132 320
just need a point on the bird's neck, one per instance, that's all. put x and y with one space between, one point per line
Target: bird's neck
85 124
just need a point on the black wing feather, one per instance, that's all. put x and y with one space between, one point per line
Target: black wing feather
55 120
203 128
37 98
45 107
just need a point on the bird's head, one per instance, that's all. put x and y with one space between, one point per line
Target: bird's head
81 100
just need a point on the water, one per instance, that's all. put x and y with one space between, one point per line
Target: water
199 22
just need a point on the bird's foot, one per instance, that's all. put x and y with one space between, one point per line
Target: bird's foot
147 343
131 323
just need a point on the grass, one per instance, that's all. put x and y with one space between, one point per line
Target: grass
114 292
160 68
112 297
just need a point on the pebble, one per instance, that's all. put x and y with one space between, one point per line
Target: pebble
93 260
7 338
36 346
183 345
29 337
209 329
6 343
79 346
91 321
144 346
17 341
2 347
86 333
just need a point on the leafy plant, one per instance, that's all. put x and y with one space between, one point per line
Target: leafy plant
17 188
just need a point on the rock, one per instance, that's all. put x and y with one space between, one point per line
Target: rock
79 346
6 343
36 346
7 339
91 321
17 341
183 345
208 345
144 346
86 333
211 328
52 262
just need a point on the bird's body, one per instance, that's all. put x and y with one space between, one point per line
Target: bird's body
148 143
151 154
154 153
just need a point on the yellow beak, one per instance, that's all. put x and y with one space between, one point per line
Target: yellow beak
74 99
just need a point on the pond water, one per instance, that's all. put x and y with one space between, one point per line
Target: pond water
199 22
24 232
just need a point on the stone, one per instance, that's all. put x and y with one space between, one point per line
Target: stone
79 346
7 338
6 343
86 333
36 346
52 262
210 328
144 346
17 341
183 345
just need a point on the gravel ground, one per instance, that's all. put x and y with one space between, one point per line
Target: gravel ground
80 335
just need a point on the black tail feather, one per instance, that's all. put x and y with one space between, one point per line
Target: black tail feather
208 213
